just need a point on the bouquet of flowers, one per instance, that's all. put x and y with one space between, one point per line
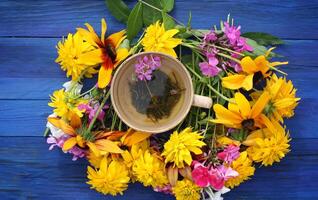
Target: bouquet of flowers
212 149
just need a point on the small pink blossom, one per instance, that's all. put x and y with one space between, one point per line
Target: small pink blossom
211 176
146 65
59 142
210 68
91 109
167 189
229 154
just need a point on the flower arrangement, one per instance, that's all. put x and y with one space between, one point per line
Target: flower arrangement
212 150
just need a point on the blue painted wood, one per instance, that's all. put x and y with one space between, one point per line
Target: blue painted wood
29 171
28 74
287 19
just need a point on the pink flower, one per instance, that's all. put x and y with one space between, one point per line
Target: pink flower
210 37
59 142
201 175
229 154
209 176
167 189
210 68
146 65
91 109
232 33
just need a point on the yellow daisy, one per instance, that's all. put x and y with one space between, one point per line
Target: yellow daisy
159 40
111 177
283 97
267 146
150 170
180 145
249 68
70 50
242 114
65 105
186 190
243 165
107 52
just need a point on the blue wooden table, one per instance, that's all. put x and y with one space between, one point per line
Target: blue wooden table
29 31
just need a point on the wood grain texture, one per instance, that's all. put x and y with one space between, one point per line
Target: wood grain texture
29 171
287 19
29 31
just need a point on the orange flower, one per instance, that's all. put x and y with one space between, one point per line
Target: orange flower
108 53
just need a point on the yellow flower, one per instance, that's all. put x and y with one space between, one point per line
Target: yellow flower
283 97
69 52
249 68
111 177
150 170
159 40
267 146
180 145
242 114
94 159
107 51
65 105
186 190
243 165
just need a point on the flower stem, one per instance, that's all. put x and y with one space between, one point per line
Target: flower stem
208 85
98 111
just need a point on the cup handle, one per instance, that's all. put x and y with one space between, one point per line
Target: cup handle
202 101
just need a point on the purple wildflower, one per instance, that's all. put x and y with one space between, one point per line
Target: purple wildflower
167 189
91 109
146 65
233 34
229 154
210 37
59 142
210 68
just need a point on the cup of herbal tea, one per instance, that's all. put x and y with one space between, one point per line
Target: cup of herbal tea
153 92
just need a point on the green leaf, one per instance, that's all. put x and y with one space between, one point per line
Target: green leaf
134 23
167 5
189 20
151 15
264 39
168 21
118 9
258 49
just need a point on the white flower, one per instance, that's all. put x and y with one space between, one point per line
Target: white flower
74 86
216 195
56 132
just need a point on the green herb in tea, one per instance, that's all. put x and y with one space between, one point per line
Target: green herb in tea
156 97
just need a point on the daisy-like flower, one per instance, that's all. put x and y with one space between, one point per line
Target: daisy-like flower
249 68
65 105
150 170
69 51
267 146
186 190
157 39
111 177
107 52
283 97
243 165
178 148
242 114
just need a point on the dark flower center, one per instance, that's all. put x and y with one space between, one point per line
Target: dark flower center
248 124
111 52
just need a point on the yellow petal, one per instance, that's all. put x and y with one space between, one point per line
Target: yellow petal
103 31
117 38
268 123
223 113
93 34
69 143
121 54
260 104
248 65
93 148
75 121
90 58
238 81
108 146
172 173
136 137
243 105
250 140
262 64
61 124
104 77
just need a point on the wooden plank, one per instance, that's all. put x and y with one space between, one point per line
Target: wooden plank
28 118
34 57
29 171
287 19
